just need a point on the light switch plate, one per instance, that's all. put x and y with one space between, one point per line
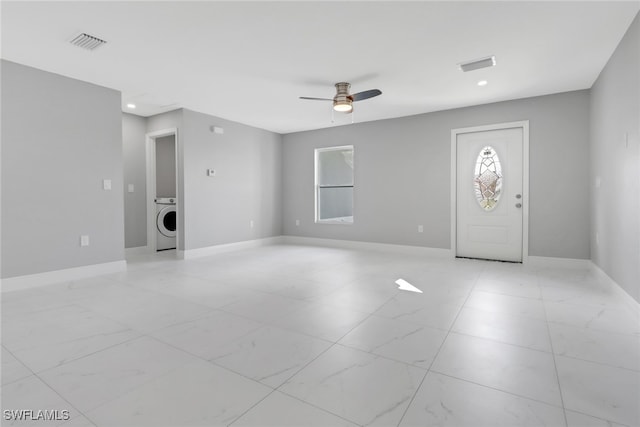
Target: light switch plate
84 240
106 184
130 188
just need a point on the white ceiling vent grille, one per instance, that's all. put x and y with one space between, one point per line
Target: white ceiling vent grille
489 61
87 41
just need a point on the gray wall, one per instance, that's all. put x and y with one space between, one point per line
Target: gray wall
168 120
402 175
60 138
217 210
247 185
134 157
615 162
166 166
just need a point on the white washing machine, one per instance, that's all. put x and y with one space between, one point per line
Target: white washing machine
166 223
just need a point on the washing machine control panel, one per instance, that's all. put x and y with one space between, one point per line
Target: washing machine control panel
165 201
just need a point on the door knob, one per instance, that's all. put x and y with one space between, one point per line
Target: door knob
518 196
518 205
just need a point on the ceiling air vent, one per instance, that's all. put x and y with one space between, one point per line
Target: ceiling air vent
87 41
489 61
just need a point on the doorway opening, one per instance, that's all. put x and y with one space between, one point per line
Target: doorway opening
490 192
163 231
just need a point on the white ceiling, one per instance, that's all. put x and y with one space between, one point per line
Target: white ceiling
250 61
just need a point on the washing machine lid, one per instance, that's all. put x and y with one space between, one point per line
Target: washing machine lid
166 221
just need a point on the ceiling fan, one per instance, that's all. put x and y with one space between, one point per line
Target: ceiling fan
343 101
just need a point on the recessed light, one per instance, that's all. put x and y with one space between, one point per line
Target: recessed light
482 83
132 106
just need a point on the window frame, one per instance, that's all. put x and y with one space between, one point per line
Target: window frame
317 186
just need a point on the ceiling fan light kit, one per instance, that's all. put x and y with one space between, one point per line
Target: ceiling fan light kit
343 106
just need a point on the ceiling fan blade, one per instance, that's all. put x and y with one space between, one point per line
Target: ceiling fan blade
316 99
366 94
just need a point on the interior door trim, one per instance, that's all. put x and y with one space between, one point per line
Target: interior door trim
524 125
150 152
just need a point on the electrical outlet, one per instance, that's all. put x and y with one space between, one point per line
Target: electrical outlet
420 229
297 222
84 240
106 184
130 188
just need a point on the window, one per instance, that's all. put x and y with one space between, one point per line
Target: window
488 178
334 185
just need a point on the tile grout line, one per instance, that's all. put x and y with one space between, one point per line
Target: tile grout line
333 344
497 389
174 369
524 347
441 345
21 363
608 422
212 362
553 354
284 382
318 407
141 335
63 398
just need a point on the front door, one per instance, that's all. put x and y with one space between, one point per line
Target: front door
489 196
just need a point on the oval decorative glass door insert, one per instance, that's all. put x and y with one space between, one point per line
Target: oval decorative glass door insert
487 180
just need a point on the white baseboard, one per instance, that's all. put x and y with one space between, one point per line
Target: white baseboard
228 247
47 278
551 262
628 299
382 247
313 241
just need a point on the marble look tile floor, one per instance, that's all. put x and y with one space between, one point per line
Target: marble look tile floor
290 335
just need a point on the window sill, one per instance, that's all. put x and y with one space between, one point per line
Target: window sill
347 220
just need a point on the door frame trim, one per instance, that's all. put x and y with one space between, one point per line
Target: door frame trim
524 125
150 154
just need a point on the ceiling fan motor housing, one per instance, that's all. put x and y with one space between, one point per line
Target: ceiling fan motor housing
342 88
342 101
